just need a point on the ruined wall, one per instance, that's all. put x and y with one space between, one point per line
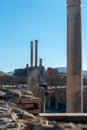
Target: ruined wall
40 93
11 80
59 94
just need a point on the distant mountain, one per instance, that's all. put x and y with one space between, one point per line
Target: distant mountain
84 72
60 69
64 70
11 72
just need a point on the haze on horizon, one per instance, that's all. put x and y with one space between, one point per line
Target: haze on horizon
22 21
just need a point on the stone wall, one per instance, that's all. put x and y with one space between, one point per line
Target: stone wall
23 98
58 94
11 80
40 93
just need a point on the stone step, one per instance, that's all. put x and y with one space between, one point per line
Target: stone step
66 117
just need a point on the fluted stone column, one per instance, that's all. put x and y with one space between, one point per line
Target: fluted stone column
74 57
36 52
31 54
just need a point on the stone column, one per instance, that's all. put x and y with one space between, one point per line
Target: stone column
31 54
40 62
74 57
36 52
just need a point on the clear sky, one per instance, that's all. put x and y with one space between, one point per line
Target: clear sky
22 21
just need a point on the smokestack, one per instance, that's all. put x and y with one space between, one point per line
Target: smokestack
36 52
31 54
40 62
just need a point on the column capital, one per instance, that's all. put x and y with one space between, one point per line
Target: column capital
31 42
71 3
36 41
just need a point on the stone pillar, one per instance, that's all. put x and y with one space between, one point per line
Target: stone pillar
36 52
74 57
31 54
40 62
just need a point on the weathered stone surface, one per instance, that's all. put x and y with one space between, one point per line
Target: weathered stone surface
74 57
53 125
52 77
23 98
40 93
12 117
26 115
8 118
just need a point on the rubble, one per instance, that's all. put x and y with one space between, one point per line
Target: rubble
12 118
22 98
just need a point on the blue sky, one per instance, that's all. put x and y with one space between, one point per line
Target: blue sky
22 21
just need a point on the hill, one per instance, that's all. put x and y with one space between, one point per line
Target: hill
64 70
10 72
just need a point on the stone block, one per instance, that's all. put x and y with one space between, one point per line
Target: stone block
25 106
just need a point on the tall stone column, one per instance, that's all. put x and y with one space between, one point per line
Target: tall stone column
31 54
36 52
74 57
